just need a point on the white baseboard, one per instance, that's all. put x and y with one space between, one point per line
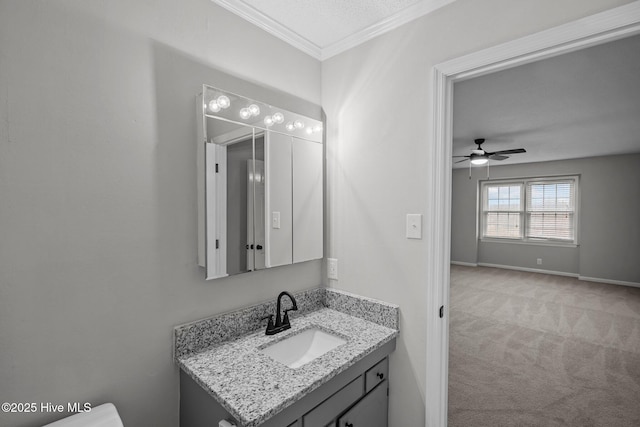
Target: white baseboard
466 264
531 270
610 281
556 273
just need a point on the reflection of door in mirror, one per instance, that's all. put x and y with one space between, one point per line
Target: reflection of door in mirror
238 235
228 192
255 208
243 206
235 202
255 215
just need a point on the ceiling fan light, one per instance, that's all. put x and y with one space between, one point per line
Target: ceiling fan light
479 161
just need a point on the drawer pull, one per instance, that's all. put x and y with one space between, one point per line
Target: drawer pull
348 425
380 375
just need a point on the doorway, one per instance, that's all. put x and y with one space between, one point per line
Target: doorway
611 25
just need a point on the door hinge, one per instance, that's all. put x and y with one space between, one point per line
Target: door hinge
216 168
217 244
441 311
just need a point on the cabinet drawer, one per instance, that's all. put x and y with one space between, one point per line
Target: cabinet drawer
325 412
377 374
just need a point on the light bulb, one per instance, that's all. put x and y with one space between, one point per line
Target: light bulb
479 161
317 128
268 121
213 106
309 131
245 113
298 124
255 110
223 101
278 118
290 126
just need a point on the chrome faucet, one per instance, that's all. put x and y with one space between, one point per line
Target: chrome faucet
281 323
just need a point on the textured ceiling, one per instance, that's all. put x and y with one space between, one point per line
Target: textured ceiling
323 28
581 104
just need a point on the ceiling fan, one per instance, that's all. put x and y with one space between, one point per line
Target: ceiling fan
480 156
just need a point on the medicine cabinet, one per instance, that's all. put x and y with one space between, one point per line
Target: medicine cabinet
260 185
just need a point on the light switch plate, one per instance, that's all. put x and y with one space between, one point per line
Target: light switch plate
275 219
414 226
332 268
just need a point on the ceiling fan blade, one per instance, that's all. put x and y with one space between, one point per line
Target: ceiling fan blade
460 161
461 156
498 157
514 151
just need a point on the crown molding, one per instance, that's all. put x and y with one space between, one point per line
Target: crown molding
392 22
261 20
273 27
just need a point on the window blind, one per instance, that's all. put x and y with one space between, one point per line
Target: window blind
551 210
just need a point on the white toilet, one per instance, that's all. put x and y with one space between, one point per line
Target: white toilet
101 416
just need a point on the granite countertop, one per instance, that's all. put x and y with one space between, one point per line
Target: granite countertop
252 387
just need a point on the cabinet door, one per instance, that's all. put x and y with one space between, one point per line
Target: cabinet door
370 411
279 200
334 405
307 200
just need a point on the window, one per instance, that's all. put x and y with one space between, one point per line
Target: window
503 211
531 210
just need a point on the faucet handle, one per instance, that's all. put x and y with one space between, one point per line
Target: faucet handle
270 325
270 322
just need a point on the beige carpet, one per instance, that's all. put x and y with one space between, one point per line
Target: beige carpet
529 349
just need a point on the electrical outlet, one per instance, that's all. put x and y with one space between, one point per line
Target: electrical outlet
539 261
332 268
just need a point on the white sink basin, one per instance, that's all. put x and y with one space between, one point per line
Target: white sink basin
303 347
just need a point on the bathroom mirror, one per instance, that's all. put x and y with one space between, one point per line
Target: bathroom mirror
259 185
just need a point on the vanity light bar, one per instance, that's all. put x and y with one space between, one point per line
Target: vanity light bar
239 109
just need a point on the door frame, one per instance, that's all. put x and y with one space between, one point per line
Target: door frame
607 26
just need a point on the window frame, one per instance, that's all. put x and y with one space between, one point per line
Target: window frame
524 211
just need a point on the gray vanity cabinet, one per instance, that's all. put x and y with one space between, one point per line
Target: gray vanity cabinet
358 397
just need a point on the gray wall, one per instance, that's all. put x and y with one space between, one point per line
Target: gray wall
608 233
98 193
